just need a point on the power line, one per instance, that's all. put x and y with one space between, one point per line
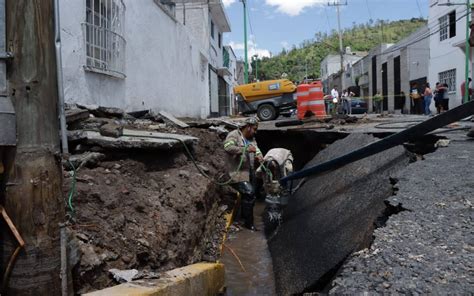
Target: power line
368 9
419 8
421 38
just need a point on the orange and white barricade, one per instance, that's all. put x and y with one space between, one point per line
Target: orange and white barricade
313 102
302 97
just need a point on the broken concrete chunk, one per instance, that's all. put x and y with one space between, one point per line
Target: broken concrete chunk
100 111
442 143
75 115
167 117
219 129
124 276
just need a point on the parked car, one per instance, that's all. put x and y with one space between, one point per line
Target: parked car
359 106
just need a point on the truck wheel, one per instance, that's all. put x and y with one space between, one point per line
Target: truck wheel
266 112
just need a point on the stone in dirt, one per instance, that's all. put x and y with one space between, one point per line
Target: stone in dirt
88 159
111 130
331 216
124 276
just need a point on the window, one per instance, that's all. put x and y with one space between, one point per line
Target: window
220 39
103 34
447 26
443 28
448 77
212 29
452 24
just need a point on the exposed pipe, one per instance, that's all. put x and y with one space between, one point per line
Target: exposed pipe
64 270
59 69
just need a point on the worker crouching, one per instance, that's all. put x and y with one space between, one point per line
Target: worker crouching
243 157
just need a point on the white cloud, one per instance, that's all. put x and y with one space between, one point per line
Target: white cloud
228 3
285 45
294 7
252 49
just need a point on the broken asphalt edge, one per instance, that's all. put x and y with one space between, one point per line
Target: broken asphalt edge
195 279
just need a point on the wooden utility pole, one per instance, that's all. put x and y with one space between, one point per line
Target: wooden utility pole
33 198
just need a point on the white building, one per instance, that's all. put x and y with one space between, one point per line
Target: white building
331 64
136 55
207 21
447 26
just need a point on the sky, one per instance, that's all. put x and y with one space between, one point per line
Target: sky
278 24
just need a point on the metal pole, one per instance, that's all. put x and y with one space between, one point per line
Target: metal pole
468 51
59 69
341 50
256 68
246 65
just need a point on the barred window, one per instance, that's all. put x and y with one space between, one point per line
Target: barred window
443 28
448 77
103 36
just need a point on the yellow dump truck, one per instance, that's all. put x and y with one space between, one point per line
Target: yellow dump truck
266 98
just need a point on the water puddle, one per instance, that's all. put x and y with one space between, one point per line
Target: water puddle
255 275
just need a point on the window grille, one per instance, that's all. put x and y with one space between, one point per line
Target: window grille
443 28
103 34
448 77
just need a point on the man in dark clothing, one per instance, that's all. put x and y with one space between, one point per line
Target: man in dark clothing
243 152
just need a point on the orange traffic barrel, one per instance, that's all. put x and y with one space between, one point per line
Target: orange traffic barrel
315 102
302 97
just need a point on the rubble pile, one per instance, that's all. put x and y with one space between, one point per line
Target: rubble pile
138 201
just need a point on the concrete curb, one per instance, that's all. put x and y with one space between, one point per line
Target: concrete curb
196 279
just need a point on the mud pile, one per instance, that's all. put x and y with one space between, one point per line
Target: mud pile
144 209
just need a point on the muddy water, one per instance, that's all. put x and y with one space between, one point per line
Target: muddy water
252 250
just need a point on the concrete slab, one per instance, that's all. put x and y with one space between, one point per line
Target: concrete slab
170 118
132 139
198 279
332 215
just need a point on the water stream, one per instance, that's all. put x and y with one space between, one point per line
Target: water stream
252 250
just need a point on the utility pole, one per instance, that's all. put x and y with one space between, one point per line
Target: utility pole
34 196
246 61
465 99
256 67
341 48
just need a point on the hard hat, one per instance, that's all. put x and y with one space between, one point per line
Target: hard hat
249 121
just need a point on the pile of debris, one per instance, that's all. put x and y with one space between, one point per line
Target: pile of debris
136 192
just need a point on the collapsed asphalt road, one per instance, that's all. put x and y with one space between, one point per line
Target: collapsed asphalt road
331 216
427 249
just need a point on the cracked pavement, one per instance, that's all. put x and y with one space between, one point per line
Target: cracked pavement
427 248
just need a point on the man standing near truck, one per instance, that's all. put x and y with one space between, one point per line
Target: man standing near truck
243 156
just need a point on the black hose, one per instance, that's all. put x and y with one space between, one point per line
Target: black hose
391 141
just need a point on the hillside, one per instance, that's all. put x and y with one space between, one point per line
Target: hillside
310 53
